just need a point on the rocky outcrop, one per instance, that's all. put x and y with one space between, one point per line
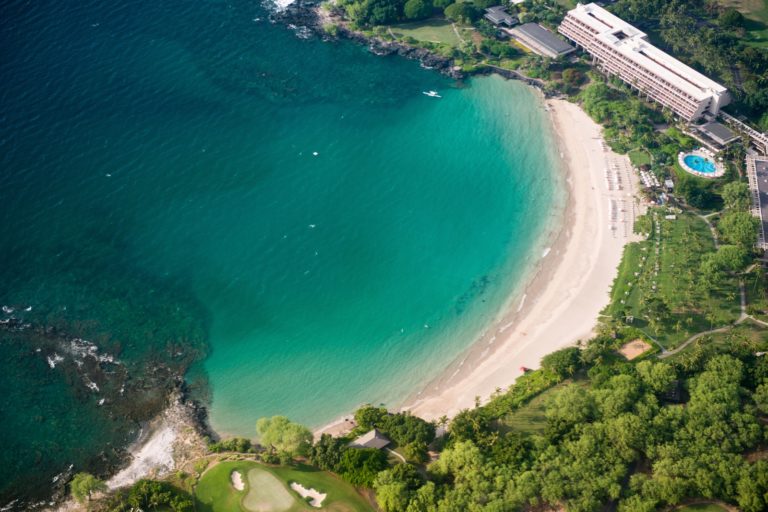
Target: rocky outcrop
308 16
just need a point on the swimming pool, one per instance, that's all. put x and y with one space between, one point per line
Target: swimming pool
700 164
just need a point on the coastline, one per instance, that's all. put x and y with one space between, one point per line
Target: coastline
562 299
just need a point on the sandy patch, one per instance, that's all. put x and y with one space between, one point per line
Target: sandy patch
561 303
237 481
153 457
315 497
634 348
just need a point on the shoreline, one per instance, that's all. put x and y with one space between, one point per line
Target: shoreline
561 300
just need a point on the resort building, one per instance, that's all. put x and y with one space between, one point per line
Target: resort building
498 16
371 439
541 40
757 173
621 50
717 133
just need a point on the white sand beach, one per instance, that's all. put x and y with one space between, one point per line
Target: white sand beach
561 303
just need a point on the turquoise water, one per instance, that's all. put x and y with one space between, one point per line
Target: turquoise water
161 197
699 164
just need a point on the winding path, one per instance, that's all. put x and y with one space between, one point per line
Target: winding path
742 318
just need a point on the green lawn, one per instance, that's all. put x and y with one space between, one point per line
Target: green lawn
214 491
701 507
672 276
433 31
749 335
756 23
530 418
639 157
756 288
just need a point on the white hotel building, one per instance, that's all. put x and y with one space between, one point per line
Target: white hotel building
624 51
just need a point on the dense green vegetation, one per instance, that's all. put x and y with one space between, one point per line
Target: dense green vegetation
150 495
84 485
710 37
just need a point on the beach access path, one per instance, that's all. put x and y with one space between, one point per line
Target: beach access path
562 301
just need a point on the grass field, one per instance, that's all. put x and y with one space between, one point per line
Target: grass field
432 31
701 507
271 491
530 418
639 157
665 268
756 23
752 336
756 288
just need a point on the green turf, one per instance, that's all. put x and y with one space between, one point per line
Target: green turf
267 493
701 507
214 491
531 418
683 242
756 22
639 157
432 31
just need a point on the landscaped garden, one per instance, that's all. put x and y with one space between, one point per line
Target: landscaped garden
268 489
659 288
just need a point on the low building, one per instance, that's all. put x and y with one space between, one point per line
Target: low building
499 17
541 40
718 133
372 439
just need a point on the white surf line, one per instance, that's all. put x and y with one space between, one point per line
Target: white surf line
522 302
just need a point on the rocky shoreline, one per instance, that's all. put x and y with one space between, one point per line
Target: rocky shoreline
310 17
130 396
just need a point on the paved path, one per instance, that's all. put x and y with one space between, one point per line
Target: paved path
393 452
742 317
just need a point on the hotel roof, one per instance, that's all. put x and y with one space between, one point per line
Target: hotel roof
633 44
545 38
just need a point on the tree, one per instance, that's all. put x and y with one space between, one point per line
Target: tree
417 9
730 18
359 466
573 77
283 435
736 196
368 417
564 362
416 452
658 377
395 487
327 451
740 228
83 485
761 397
462 12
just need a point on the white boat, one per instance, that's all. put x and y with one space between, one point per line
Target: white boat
431 94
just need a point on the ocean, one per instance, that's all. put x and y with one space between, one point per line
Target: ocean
289 221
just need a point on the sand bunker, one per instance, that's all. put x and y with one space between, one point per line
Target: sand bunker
315 497
237 481
634 349
267 493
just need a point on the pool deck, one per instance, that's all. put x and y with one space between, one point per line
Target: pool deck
702 153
